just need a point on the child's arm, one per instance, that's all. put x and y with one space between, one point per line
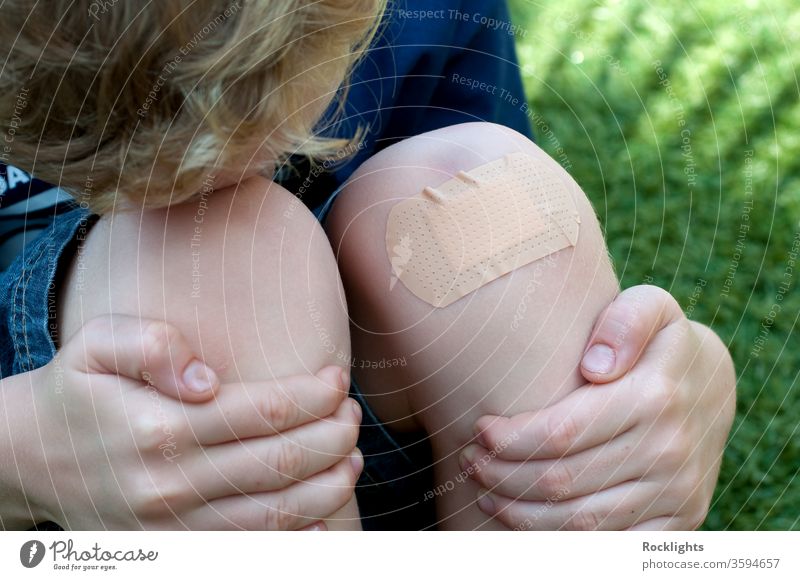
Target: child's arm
27 424
89 444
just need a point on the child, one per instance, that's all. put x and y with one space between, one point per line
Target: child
159 118
184 109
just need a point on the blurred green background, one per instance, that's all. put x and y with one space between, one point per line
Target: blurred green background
681 121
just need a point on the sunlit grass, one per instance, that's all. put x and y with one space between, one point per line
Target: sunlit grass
681 121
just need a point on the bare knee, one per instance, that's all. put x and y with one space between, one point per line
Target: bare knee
246 273
527 327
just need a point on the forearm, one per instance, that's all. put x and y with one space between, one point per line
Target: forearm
17 451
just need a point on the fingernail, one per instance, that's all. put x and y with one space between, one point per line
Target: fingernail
464 463
199 378
357 461
480 426
345 378
357 411
485 502
599 359
317 527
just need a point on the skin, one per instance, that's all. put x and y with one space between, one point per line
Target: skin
693 392
138 459
649 430
464 361
457 381
266 271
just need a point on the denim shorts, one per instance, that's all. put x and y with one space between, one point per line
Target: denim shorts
397 467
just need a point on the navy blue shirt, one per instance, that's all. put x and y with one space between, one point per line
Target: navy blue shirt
435 63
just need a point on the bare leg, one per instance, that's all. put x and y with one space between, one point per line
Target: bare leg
245 273
513 345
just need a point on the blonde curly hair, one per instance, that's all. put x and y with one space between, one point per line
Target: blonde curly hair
143 99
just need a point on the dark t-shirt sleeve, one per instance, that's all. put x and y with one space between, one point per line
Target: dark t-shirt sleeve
434 64
471 72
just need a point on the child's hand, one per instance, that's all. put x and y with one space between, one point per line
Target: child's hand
640 447
115 453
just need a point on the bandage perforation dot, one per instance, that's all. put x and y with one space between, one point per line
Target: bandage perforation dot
452 239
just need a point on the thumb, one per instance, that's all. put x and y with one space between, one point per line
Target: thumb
624 329
146 350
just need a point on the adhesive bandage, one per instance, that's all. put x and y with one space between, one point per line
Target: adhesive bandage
452 239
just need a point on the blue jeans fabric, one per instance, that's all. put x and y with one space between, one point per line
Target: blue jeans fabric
29 292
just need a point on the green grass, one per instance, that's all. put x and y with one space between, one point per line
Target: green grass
677 215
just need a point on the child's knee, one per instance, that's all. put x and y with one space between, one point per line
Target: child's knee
360 218
528 324
246 273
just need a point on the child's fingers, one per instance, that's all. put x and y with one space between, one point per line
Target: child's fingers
145 350
659 524
624 330
293 508
587 417
243 410
319 526
556 479
263 464
617 508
